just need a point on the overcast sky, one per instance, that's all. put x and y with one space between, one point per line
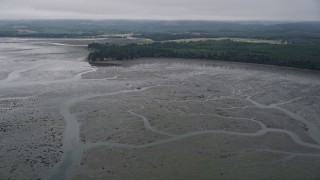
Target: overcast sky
297 10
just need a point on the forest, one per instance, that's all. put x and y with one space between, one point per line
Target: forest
295 54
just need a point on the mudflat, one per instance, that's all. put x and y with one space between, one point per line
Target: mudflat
152 118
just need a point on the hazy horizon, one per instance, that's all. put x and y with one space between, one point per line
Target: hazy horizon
210 10
181 20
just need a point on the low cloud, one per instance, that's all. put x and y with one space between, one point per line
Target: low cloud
162 9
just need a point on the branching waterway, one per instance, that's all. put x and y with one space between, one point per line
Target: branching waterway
74 148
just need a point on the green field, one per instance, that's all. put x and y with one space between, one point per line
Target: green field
245 40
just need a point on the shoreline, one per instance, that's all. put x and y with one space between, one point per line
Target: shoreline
203 61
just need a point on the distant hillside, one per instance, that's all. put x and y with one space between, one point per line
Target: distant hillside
161 30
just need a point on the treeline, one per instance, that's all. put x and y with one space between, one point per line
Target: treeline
270 35
298 55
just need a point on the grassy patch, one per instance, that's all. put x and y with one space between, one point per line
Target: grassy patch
245 40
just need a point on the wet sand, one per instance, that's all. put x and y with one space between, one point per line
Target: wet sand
152 118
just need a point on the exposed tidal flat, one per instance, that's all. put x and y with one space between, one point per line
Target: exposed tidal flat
61 118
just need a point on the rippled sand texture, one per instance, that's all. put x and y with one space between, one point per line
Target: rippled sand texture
153 119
